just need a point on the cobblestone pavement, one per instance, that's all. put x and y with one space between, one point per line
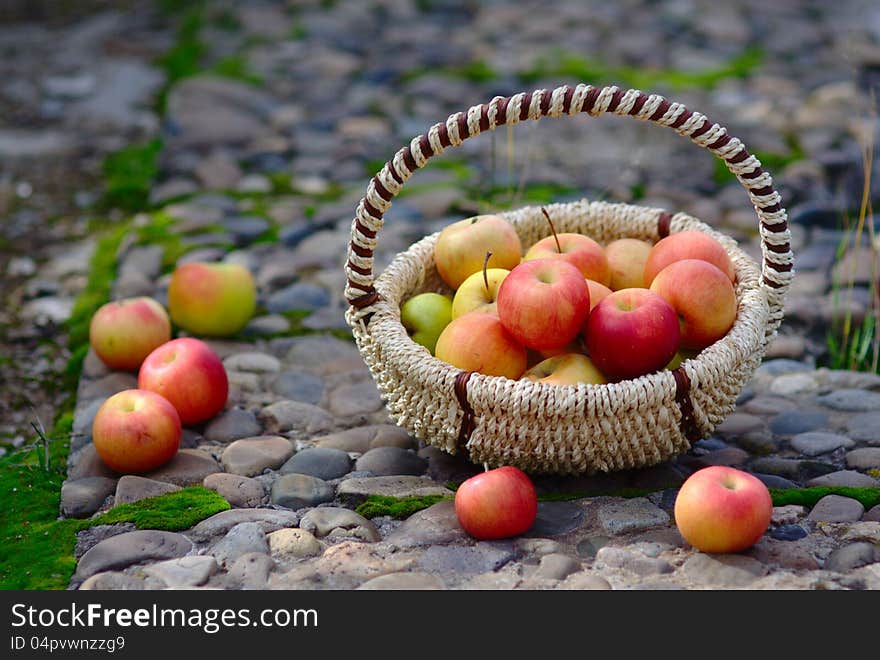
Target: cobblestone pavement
264 156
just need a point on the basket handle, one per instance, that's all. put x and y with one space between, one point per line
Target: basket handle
777 258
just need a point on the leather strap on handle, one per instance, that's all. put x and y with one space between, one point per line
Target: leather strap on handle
777 258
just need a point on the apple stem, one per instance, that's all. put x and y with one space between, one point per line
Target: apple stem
552 229
486 272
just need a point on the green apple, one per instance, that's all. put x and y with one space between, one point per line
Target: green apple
425 316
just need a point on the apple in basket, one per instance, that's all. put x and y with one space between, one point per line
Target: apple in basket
689 244
477 341
462 246
722 509
565 369
479 292
543 303
631 333
496 504
424 316
626 261
703 298
577 249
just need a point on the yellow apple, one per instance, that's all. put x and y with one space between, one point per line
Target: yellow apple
566 369
474 296
626 261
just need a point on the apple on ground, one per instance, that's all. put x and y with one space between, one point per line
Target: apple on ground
577 249
567 369
190 375
626 261
123 332
479 292
691 244
212 299
703 298
136 431
631 333
721 509
496 504
478 342
461 247
424 316
543 303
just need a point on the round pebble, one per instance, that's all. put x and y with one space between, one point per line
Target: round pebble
295 491
321 462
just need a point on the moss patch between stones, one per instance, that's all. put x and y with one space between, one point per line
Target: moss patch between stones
36 549
808 497
396 507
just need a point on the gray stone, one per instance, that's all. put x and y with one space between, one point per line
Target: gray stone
363 438
82 497
296 491
17 143
556 518
89 537
737 423
131 548
220 523
793 384
267 325
356 399
125 86
436 525
792 422
291 544
253 362
411 581
851 556
143 259
298 296
246 228
250 456
325 520
295 416
171 189
299 385
232 424
107 386
482 557
50 309
851 400
87 463
631 515
322 462
864 427
722 571
585 581
614 557
866 458
250 571
873 514
240 492
556 566
132 488
391 461
317 351
218 170
814 443
243 538
189 467
851 478
116 581
834 508
185 572
355 490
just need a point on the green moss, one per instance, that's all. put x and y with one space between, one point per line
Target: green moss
235 67
808 497
397 507
36 549
564 64
129 174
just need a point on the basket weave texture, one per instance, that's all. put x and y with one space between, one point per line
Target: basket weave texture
572 429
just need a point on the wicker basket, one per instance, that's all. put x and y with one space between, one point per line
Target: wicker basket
573 429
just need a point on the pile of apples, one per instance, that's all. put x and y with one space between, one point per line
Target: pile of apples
180 381
569 310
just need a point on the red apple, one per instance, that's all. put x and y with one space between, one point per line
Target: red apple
703 298
631 333
211 299
543 303
477 341
136 431
123 332
496 504
577 249
461 247
190 375
722 509
690 244
626 261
